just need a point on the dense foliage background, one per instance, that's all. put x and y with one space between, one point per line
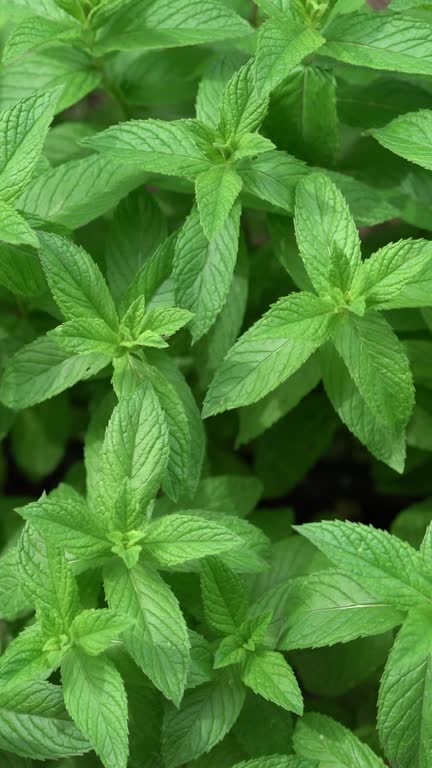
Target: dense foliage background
215 325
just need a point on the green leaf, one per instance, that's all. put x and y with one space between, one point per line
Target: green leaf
166 23
34 723
273 177
224 596
41 370
25 659
304 117
409 136
95 698
217 73
13 601
76 281
164 321
405 697
135 447
94 630
180 537
332 607
14 228
79 191
211 350
277 761
241 110
269 675
178 469
20 271
388 567
207 714
257 418
326 234
158 641
385 275
85 336
270 351
385 443
381 41
137 229
63 66
318 737
156 145
197 437
282 44
23 129
216 192
36 32
230 651
47 580
70 522
153 281
378 365
203 270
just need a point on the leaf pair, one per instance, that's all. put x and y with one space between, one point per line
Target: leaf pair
374 400
94 334
73 639
243 659
114 530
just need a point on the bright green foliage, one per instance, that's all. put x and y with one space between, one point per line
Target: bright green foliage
349 291
215 208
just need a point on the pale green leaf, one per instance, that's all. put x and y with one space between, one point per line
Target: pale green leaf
36 32
318 737
203 270
63 66
79 191
23 129
381 41
76 281
224 596
13 227
332 607
95 698
242 110
385 443
282 45
326 234
68 523
216 192
378 365
258 417
269 675
159 146
136 231
135 447
270 351
207 714
409 136
94 630
158 640
41 370
34 723
388 567
166 23
180 537
384 276
405 698
86 335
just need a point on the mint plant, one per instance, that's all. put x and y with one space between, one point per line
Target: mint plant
215 384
